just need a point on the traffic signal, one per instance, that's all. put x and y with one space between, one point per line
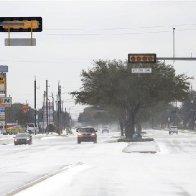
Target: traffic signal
141 58
20 24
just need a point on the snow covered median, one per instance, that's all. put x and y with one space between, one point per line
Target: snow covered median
142 147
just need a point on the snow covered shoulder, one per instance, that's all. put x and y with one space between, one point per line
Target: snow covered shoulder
142 147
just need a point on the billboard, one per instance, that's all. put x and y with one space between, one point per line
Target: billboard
3 68
20 24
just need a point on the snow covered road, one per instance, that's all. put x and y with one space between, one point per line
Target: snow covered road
100 169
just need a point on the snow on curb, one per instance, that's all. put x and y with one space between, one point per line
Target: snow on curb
4 140
51 184
142 147
49 137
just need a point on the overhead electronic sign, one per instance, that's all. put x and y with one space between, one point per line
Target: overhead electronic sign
142 58
20 24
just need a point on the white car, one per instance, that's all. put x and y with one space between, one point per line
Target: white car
173 129
31 128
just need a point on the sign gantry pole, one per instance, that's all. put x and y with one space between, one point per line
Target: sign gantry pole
31 35
8 36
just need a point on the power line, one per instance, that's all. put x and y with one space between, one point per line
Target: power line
119 28
115 34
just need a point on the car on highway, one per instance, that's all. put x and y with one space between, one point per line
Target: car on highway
22 138
31 128
173 129
86 134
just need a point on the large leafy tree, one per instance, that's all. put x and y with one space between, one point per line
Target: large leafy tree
94 115
16 114
188 111
112 85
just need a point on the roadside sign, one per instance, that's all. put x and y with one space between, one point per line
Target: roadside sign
5 102
20 42
20 24
2 84
2 114
141 70
2 79
142 58
2 118
3 68
2 92
2 110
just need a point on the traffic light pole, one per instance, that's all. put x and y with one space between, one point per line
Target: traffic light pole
177 58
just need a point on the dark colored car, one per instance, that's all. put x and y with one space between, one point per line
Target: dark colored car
87 134
23 138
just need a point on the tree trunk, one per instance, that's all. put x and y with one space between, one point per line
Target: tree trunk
121 127
130 124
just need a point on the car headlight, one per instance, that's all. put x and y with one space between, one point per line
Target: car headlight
28 138
93 134
15 140
79 134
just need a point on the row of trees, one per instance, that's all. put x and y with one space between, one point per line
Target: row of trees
16 114
133 98
187 112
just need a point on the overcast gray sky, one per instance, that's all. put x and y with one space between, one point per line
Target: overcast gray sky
75 33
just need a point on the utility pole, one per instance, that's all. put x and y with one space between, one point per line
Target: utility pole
5 126
53 107
35 105
44 112
59 109
46 103
174 43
